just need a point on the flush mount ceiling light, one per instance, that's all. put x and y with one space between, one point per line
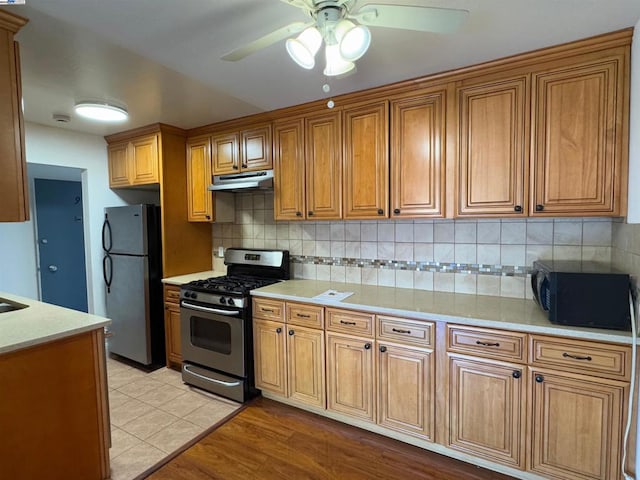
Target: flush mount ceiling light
101 111
344 30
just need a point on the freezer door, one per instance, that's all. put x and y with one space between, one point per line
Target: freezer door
125 230
128 308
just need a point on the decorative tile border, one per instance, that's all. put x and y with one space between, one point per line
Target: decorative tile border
443 267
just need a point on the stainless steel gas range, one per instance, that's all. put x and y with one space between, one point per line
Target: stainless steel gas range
215 322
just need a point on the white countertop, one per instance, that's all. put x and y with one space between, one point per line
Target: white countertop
480 310
40 323
182 279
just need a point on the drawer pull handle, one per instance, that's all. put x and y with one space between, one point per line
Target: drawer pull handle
266 309
302 315
487 344
347 323
398 330
576 357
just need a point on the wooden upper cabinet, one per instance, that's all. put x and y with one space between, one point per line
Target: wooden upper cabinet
144 160
366 161
289 171
13 181
134 162
118 164
323 166
225 153
577 150
199 199
418 138
493 147
242 151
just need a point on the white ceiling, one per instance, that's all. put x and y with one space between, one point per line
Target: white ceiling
161 58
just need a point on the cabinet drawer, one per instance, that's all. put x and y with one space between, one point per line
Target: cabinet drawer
484 342
266 309
592 358
305 315
171 294
348 321
404 330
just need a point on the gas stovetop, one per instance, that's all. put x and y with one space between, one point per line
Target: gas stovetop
230 284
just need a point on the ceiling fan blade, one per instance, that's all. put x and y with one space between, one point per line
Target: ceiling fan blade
422 19
304 4
265 41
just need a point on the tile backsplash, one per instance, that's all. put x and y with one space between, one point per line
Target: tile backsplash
483 256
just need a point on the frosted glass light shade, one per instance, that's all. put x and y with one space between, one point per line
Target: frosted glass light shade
101 111
336 65
355 42
304 47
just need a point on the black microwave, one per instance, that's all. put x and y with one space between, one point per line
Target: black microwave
582 294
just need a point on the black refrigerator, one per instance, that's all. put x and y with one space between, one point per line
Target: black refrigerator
132 270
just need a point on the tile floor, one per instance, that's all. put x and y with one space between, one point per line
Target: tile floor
154 414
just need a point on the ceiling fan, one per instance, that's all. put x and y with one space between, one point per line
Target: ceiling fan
344 30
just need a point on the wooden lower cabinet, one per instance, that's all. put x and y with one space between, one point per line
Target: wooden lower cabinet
172 326
350 368
576 425
405 387
487 409
269 346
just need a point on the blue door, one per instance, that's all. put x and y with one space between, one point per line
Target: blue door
63 274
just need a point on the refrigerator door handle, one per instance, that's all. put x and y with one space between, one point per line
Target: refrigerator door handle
106 261
106 229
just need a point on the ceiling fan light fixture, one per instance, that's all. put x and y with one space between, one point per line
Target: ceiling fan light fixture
101 111
355 42
304 47
336 65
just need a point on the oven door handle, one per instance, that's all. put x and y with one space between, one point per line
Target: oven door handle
185 368
208 309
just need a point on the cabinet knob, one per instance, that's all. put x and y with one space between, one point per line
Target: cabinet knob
298 214
367 346
291 332
235 167
517 208
539 378
278 330
396 211
539 208
244 165
380 211
310 214
208 217
516 374
383 348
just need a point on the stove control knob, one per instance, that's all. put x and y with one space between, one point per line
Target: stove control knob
194 295
223 300
187 294
230 301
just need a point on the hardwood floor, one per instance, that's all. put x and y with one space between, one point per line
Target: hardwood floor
268 440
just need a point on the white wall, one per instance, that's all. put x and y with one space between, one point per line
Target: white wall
55 146
633 215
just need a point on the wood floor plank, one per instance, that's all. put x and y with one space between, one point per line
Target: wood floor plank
271 441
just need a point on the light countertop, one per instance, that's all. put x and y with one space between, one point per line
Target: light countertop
465 309
40 323
182 279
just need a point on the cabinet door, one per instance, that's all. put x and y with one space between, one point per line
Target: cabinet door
255 148
305 362
288 150
224 153
350 376
405 390
486 410
145 160
418 138
323 166
577 130
118 164
199 199
493 150
269 345
576 426
366 161
172 334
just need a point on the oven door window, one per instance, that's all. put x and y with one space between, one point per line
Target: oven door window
211 335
